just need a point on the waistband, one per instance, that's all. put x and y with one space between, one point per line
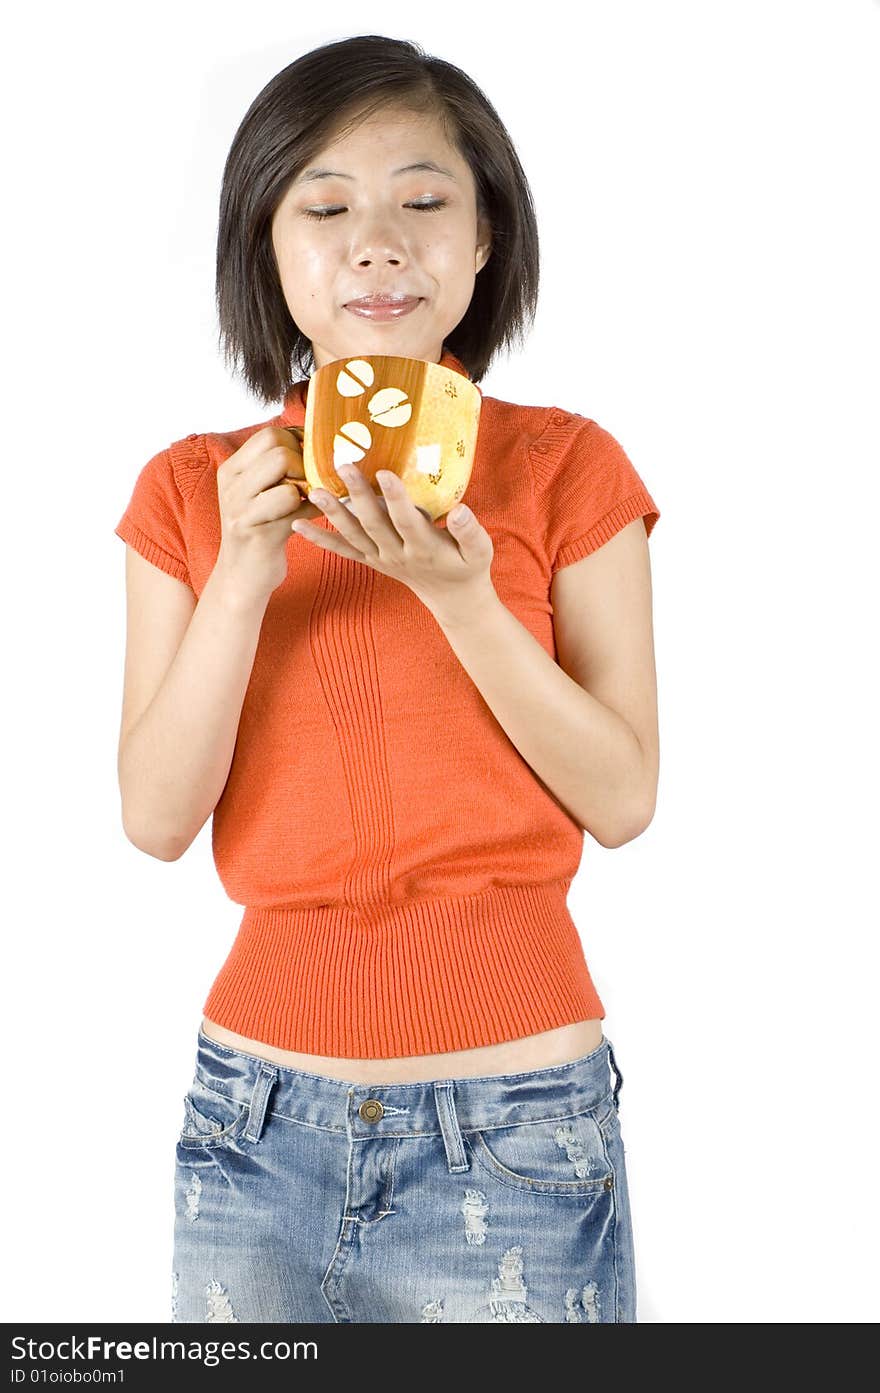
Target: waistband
444 1107
423 976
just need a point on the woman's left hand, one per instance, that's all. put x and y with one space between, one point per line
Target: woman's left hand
447 571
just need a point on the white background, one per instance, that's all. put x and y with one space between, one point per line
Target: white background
705 177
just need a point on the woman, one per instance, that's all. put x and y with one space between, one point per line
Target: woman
403 1106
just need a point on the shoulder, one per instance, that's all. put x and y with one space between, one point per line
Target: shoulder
195 455
544 429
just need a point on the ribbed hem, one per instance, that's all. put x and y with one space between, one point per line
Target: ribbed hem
636 506
426 977
133 535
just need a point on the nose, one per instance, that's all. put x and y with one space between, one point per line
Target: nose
380 248
380 241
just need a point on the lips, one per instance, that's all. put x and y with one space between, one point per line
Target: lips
383 311
376 302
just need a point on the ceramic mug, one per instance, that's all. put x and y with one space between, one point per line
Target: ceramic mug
416 419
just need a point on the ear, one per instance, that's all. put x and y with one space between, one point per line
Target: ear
484 243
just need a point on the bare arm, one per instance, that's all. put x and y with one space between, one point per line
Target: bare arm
586 725
174 758
188 664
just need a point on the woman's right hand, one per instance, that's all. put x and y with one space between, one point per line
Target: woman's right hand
256 508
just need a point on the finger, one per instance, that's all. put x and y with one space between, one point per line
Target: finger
277 466
364 501
303 508
273 504
286 490
344 520
369 508
402 511
474 542
297 486
329 541
266 441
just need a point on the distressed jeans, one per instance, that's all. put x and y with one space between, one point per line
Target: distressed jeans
301 1198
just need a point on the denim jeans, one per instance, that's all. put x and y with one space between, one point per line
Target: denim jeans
301 1198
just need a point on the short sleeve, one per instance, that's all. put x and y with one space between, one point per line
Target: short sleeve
588 487
154 520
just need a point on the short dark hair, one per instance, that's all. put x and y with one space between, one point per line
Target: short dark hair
290 120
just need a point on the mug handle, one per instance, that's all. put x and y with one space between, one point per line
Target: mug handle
301 485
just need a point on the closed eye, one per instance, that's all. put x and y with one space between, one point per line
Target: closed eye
419 207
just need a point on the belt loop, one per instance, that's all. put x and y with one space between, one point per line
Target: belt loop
452 1138
617 1086
259 1099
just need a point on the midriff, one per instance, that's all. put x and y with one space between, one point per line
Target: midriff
559 1046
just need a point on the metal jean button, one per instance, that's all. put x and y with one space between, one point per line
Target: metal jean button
371 1110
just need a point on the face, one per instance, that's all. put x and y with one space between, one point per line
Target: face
416 232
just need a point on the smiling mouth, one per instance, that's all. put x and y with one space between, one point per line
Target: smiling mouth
383 309
380 297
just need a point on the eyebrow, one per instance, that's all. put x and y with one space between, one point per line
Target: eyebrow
311 174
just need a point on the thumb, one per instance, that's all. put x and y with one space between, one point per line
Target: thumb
473 539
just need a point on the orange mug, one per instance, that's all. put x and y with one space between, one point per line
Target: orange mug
418 420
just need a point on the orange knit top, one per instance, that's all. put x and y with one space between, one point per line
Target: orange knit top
403 871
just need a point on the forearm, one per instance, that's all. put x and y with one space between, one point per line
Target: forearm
175 761
582 751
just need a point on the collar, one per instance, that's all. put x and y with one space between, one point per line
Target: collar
293 412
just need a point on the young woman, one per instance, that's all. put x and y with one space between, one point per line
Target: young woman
403 1107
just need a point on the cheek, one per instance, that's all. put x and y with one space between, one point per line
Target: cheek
454 266
303 267
452 251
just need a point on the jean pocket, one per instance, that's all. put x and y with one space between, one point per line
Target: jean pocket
210 1118
554 1156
